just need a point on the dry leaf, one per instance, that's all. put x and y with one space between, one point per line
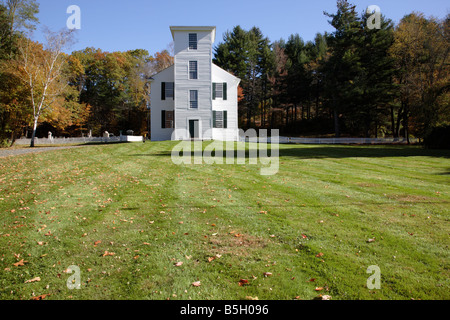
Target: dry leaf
319 288
196 284
320 254
371 240
108 254
41 297
178 264
243 282
251 298
97 242
37 279
20 263
267 274
211 259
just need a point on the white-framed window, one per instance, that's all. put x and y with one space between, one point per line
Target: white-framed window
167 90
220 119
193 99
193 41
193 70
220 91
167 119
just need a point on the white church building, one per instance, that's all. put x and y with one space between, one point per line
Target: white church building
194 98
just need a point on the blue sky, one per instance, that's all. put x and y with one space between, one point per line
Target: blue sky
114 25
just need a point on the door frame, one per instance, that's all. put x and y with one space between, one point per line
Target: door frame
199 127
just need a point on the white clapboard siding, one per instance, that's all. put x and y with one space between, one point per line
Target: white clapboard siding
207 74
157 105
203 56
230 104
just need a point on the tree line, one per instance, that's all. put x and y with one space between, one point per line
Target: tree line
358 81
355 81
86 92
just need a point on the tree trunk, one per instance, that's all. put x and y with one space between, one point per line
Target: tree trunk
337 128
13 138
406 122
393 123
33 136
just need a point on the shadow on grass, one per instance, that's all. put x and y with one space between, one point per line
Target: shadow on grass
323 152
362 152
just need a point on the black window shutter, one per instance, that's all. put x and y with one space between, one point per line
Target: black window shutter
214 90
225 91
163 119
214 119
163 91
173 90
225 119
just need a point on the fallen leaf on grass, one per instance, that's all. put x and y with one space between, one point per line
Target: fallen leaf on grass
319 288
20 263
320 254
41 297
243 282
196 284
178 264
37 279
251 298
108 254
97 242
371 240
211 259
267 274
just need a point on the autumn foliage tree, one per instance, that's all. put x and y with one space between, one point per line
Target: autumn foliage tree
41 69
421 51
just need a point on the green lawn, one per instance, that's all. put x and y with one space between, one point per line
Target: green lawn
308 226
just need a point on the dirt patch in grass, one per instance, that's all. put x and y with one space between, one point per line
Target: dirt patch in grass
411 198
237 243
367 185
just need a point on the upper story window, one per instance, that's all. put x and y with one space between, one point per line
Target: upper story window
193 42
193 99
167 90
193 70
